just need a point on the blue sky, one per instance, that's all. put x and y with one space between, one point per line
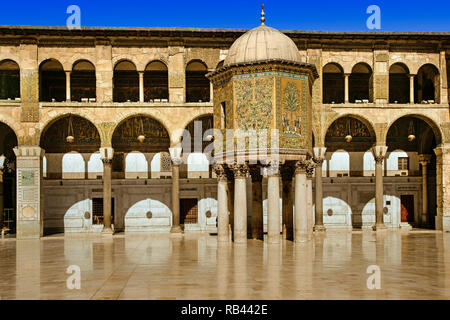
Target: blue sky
338 15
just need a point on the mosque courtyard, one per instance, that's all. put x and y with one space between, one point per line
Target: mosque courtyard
413 265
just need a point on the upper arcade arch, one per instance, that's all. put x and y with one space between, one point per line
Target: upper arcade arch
333 86
125 82
399 83
83 81
52 81
9 79
198 87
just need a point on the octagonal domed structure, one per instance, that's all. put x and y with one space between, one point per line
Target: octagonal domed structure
262 44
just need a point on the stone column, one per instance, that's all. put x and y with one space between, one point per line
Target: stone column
346 76
175 154
107 157
328 158
2 161
68 94
411 88
141 86
309 199
29 192
240 203
319 157
287 174
379 153
222 204
300 201
424 160
273 204
257 208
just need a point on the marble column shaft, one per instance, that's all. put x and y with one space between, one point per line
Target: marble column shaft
424 159
379 153
107 194
411 89
300 203
222 204
273 207
68 92
141 86
240 203
309 202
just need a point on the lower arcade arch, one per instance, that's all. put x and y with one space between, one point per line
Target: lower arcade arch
8 141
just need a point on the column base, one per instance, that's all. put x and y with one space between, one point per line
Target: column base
176 229
108 232
379 227
319 228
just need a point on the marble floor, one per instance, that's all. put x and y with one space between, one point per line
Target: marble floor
414 265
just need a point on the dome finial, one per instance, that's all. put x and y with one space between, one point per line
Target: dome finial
262 15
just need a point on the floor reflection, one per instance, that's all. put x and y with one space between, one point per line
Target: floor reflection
414 265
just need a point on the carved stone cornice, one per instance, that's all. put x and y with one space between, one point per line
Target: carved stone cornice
240 170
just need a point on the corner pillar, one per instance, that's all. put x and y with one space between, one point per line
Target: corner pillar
30 202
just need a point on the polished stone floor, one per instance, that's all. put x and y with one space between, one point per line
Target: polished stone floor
414 265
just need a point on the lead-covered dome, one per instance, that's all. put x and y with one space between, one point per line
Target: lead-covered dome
261 44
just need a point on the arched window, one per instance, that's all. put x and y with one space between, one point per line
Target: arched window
197 85
9 80
83 81
197 165
73 166
126 82
52 81
95 166
333 83
399 83
136 166
340 164
427 85
156 82
360 83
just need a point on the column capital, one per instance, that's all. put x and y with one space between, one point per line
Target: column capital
2 163
301 165
175 155
379 153
220 172
310 169
424 159
240 170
